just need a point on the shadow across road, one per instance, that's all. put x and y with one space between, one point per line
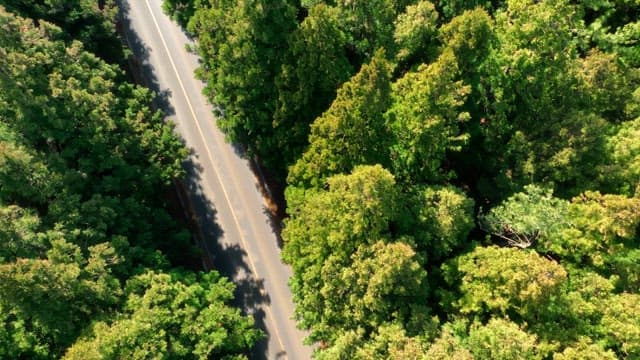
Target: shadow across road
229 260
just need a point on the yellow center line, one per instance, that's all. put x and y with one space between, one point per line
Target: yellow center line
224 190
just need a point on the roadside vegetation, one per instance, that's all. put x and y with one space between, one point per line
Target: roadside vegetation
462 176
92 266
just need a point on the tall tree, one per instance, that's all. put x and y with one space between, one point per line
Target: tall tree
416 31
381 282
328 227
19 237
352 131
439 218
56 296
84 166
243 44
501 339
95 153
307 83
424 120
624 169
621 324
370 23
89 21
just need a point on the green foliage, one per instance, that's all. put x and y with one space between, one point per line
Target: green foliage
379 285
415 29
369 23
501 339
439 218
523 112
84 165
534 92
24 177
241 43
91 22
621 323
180 10
613 26
18 234
593 230
585 350
497 339
526 217
470 36
504 280
308 81
424 119
389 342
56 296
625 153
90 151
449 345
352 132
329 226
602 222
607 83
171 316
452 8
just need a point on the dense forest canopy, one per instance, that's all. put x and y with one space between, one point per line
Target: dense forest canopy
91 262
463 176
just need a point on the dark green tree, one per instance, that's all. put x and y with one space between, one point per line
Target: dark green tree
89 21
244 45
307 83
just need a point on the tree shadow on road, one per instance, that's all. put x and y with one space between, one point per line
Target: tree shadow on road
141 70
229 260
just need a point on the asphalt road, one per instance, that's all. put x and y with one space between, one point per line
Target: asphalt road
222 188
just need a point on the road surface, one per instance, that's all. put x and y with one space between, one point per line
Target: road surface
222 189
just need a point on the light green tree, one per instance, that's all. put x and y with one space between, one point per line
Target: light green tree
527 217
501 339
439 218
415 31
55 297
504 281
624 170
621 324
171 316
424 119
586 350
352 131
330 225
381 282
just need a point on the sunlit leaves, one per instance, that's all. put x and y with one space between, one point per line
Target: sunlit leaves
415 29
172 316
504 280
527 217
424 118
352 131
439 218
